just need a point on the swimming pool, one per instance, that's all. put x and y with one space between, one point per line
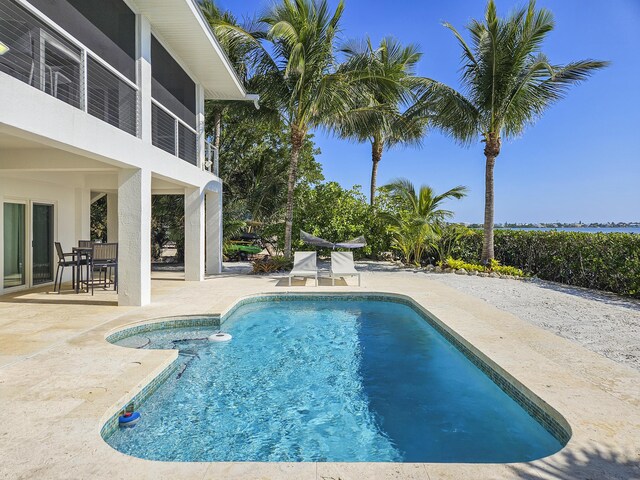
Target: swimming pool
331 379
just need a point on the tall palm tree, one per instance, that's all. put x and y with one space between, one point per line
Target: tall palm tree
298 75
382 118
508 83
305 85
419 217
241 43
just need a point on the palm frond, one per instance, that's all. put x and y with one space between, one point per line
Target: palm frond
507 82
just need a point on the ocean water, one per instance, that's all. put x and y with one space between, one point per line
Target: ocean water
580 229
340 380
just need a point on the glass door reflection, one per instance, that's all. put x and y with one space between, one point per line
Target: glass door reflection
14 244
42 243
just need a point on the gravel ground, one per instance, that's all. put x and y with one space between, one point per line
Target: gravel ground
602 322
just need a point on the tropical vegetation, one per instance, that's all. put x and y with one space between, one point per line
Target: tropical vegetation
508 83
302 84
384 118
416 218
493 267
602 261
308 79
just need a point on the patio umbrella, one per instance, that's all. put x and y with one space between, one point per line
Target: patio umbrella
358 242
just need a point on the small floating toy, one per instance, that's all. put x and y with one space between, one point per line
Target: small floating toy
220 337
129 419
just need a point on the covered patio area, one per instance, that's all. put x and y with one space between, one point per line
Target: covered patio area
47 192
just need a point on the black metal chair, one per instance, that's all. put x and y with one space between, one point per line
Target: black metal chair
62 263
85 244
104 258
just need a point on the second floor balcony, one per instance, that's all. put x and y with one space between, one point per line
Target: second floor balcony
64 49
37 54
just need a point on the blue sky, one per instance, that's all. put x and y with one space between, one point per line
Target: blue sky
581 161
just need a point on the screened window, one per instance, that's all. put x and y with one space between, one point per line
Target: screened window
111 99
171 86
163 130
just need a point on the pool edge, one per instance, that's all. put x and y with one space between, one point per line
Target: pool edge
540 410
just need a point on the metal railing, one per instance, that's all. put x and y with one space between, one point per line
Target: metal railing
52 61
39 53
212 162
172 135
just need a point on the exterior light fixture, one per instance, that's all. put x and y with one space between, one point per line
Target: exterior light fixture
3 48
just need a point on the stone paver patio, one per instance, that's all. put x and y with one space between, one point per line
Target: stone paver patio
60 381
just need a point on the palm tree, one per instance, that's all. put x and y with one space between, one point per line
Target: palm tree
240 43
298 76
418 217
383 119
304 85
508 83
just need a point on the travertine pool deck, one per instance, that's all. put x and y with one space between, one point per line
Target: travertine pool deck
60 381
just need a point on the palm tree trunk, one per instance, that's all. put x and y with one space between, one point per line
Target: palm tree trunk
297 139
491 151
217 128
376 156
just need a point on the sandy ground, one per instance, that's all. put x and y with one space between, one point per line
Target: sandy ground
604 323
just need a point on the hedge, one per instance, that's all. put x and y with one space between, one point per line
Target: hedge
602 261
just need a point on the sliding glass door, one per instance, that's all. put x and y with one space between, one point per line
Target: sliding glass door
42 243
14 244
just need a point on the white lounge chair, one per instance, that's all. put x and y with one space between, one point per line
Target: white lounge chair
342 266
304 265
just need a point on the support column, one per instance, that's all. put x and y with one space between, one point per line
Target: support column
214 232
143 56
134 229
83 213
194 234
112 218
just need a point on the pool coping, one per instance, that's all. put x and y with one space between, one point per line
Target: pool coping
534 405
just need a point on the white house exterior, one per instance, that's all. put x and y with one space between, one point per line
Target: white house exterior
106 97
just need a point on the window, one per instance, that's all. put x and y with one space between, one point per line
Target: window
171 86
107 27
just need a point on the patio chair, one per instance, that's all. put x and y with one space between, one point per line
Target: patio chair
342 266
304 265
84 243
62 263
104 257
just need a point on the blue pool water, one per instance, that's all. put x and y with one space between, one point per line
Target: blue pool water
320 380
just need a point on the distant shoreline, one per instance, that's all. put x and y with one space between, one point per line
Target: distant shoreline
634 230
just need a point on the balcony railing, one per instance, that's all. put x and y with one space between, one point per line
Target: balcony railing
52 61
211 163
172 135
39 53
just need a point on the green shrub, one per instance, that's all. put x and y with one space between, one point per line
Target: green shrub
336 214
505 269
475 267
272 265
602 261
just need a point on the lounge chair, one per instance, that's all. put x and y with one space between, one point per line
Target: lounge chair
304 265
342 266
